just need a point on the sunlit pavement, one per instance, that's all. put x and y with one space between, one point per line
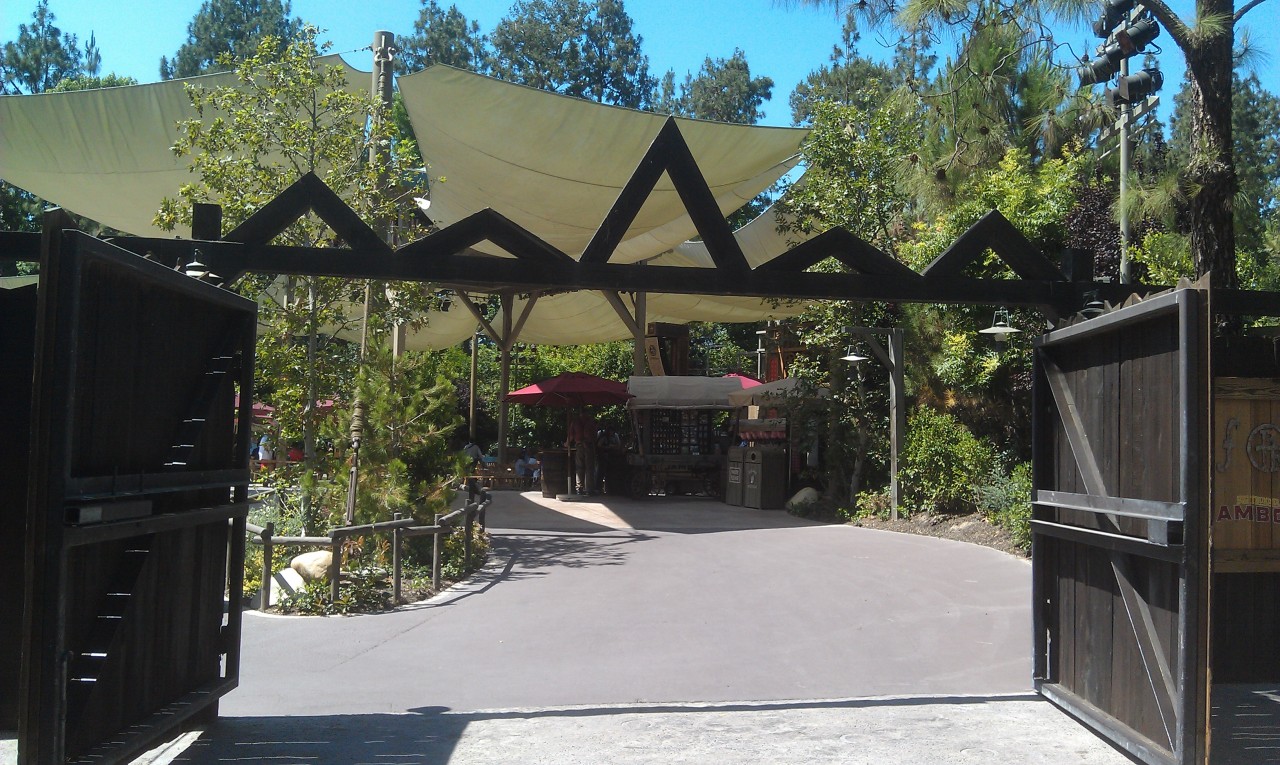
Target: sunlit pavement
665 631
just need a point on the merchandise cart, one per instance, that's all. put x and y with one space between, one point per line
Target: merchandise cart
680 425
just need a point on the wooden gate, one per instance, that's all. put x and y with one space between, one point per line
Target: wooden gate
1119 523
136 502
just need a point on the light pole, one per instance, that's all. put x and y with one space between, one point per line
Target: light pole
892 360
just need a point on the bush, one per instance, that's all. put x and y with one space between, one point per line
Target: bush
942 464
1005 500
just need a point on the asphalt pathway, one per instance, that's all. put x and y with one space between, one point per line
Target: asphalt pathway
664 631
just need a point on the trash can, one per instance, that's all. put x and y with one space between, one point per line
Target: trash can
733 476
555 478
764 483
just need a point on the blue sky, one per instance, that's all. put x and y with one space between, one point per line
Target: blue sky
781 40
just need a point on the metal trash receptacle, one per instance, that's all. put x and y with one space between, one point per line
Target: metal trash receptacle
733 477
764 472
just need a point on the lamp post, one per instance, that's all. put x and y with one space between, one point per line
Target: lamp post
892 360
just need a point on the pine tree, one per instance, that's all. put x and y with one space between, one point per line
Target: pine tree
229 27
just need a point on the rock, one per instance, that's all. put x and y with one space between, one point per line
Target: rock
806 496
283 583
313 565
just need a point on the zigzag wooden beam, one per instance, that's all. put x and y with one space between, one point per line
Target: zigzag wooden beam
485 226
993 231
306 194
838 243
669 153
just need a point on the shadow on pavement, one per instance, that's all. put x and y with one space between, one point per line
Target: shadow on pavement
431 735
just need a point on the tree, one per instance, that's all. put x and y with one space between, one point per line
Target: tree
442 37
41 56
848 79
1210 177
576 47
286 117
229 28
723 90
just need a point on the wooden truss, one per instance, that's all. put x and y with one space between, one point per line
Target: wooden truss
448 258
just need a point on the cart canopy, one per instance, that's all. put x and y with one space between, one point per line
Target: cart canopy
672 392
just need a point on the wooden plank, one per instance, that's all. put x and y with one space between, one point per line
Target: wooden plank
850 250
993 231
105 532
1128 507
1264 388
1139 746
1108 541
1074 428
1166 303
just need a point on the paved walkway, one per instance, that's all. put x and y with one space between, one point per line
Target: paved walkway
659 632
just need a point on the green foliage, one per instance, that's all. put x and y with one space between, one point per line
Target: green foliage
41 57
286 117
723 90
224 30
582 48
848 79
442 37
854 159
1005 500
943 463
92 82
409 414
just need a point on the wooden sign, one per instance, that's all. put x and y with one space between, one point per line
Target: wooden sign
1246 465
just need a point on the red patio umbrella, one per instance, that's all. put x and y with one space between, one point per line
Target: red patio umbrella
746 380
572 390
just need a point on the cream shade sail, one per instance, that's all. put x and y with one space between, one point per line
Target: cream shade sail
551 163
555 164
106 154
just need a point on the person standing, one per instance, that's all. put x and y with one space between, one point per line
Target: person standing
581 439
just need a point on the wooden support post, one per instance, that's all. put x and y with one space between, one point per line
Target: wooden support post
335 567
395 562
466 537
504 384
471 405
268 566
897 416
206 222
435 556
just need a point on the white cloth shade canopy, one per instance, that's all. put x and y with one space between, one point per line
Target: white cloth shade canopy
553 164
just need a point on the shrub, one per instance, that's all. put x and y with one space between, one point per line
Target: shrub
942 463
1005 500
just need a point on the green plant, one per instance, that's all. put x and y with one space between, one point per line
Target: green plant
1005 500
942 463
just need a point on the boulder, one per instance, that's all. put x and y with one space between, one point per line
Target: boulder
313 565
806 496
283 583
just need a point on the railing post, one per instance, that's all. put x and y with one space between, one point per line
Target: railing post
435 556
268 567
395 562
466 538
335 566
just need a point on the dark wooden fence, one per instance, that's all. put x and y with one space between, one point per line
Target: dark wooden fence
138 477
1119 525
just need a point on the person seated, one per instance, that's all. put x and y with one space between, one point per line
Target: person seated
526 468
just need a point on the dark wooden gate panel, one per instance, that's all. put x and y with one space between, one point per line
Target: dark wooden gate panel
1119 524
138 477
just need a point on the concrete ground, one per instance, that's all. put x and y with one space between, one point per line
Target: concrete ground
664 631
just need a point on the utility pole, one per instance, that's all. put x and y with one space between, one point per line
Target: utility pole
383 52
1126 28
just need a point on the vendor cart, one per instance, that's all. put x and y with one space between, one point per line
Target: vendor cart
682 440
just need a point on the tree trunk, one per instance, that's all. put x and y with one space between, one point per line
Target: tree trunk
1211 178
